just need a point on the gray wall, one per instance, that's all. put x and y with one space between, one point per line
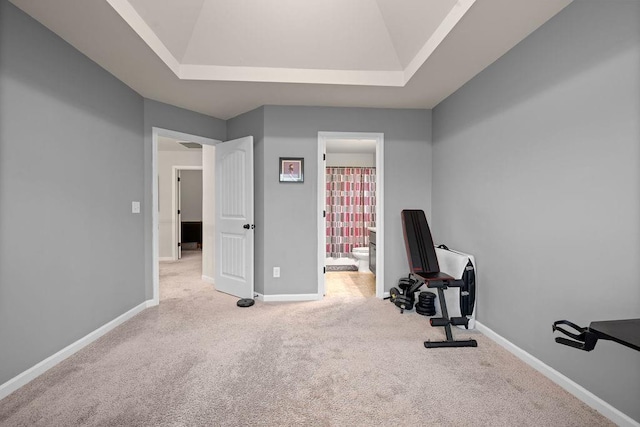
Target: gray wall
291 210
191 195
71 152
165 116
252 124
537 173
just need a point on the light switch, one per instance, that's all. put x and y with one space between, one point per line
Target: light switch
135 207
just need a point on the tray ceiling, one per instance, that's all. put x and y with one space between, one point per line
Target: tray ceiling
225 57
357 42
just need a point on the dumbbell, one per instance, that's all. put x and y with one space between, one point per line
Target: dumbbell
404 283
404 302
393 294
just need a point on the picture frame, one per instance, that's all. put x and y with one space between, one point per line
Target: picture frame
291 169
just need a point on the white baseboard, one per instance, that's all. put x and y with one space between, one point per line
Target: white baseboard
566 383
208 279
166 258
30 374
288 297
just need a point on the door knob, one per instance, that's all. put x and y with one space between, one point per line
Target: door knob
246 226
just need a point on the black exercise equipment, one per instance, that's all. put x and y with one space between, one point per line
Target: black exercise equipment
404 302
245 302
404 283
393 294
424 267
426 305
625 332
467 292
405 298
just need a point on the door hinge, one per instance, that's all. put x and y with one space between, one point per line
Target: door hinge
178 211
179 244
324 270
324 214
178 179
324 156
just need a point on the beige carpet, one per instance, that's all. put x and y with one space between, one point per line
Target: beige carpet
198 360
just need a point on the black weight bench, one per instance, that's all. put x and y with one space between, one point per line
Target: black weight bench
424 267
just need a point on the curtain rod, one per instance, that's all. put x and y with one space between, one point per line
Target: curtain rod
368 167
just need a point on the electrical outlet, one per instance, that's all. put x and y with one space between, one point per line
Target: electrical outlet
135 207
276 271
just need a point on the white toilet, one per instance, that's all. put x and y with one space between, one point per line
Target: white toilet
362 255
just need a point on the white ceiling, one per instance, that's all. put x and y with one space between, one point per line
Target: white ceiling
359 42
170 144
226 57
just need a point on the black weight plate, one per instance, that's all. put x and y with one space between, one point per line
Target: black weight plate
403 303
425 312
245 302
393 294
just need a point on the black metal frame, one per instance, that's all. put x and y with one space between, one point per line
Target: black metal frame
445 321
423 263
625 332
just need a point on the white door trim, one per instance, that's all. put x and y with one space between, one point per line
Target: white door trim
322 144
174 206
155 250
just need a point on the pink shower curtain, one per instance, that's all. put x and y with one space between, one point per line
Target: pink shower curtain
351 208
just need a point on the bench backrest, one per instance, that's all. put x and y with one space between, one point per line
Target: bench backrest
418 242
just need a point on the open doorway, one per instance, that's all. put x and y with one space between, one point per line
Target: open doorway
180 201
350 223
227 213
187 214
175 154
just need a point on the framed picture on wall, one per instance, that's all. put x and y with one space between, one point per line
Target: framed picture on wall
291 169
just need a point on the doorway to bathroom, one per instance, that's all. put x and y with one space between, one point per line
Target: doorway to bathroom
350 224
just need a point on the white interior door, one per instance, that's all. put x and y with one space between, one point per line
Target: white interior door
234 235
179 214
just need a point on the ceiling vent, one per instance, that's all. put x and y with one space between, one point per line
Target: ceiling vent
190 144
